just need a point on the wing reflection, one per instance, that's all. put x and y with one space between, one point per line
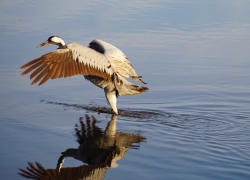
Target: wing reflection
99 150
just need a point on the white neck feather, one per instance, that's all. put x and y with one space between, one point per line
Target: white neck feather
58 40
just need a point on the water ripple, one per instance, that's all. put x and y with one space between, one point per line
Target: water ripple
211 124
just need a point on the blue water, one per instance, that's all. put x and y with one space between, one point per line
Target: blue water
193 123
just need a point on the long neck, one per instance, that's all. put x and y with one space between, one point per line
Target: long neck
61 46
58 41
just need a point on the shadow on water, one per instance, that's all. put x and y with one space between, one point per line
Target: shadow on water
98 109
98 149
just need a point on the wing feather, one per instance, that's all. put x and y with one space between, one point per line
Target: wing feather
65 70
73 72
60 69
58 73
73 60
80 68
29 63
68 67
37 71
33 66
53 71
45 78
76 68
41 75
118 59
71 69
87 69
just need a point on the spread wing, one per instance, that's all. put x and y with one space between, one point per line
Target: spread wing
119 61
73 60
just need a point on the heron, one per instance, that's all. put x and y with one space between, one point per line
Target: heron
100 63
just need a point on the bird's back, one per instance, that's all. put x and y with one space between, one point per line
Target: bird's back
118 59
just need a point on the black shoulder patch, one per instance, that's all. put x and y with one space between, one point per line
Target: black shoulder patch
95 46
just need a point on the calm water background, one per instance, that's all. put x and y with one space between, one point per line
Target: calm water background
194 55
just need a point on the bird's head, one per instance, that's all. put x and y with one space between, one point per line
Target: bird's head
53 40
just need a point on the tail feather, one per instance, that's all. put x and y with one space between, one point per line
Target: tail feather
138 79
140 89
127 88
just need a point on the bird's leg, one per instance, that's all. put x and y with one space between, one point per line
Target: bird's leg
111 97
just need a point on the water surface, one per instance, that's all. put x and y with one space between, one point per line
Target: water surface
194 121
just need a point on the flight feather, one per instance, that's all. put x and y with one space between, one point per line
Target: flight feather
74 59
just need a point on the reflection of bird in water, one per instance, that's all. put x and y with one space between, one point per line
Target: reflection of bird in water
101 63
98 149
92 142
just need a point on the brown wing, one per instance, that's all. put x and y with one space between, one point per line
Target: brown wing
60 63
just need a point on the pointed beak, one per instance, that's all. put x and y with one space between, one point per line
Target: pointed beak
43 44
